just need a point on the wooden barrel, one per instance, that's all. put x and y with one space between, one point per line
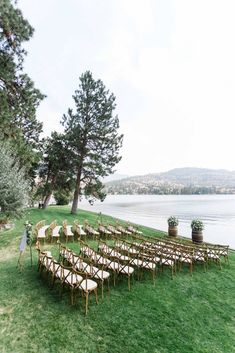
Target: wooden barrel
197 236
172 231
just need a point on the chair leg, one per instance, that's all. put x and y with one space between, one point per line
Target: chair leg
96 296
61 290
72 296
87 295
153 274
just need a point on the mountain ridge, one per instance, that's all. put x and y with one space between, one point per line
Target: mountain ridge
177 180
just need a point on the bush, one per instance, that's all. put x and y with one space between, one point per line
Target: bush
62 197
14 189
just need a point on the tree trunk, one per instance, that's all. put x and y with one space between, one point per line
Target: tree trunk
48 196
76 193
46 200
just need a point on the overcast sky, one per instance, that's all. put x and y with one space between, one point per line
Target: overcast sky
170 64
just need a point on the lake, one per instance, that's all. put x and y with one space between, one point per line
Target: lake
216 211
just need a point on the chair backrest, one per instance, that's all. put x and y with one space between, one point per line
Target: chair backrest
37 226
53 225
65 223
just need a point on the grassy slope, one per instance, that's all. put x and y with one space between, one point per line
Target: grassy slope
183 315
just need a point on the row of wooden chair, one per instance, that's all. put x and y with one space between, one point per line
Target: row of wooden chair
70 277
53 231
203 253
85 266
115 266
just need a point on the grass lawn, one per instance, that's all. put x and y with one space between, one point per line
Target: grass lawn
184 315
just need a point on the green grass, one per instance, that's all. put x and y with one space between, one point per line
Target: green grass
184 315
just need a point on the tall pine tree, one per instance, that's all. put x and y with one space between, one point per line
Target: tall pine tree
19 98
92 137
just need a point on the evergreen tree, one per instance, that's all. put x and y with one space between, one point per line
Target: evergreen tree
92 137
19 98
13 187
55 170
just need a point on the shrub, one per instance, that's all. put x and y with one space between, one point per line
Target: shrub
14 189
62 197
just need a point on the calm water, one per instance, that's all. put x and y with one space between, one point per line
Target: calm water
216 211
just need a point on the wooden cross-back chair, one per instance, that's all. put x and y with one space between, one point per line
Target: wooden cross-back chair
113 230
168 261
115 266
213 255
222 251
186 257
112 251
133 229
122 229
103 231
78 229
90 230
199 256
40 230
120 264
67 230
54 231
87 266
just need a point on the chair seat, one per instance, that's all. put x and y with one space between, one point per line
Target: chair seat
132 251
56 231
127 270
102 260
199 258
57 270
186 260
156 259
167 262
102 275
88 285
149 265
113 265
48 253
136 262
42 232
73 279
69 232
213 256
123 258
80 229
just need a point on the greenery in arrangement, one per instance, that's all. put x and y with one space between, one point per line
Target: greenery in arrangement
14 189
186 314
197 225
173 221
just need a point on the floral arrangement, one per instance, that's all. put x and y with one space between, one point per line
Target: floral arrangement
197 225
173 221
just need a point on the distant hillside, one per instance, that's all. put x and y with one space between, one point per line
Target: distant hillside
115 176
176 181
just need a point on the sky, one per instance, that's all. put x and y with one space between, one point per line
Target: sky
170 64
